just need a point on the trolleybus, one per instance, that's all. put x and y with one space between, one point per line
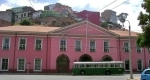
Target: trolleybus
98 68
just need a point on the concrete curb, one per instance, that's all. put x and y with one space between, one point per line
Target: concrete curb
136 78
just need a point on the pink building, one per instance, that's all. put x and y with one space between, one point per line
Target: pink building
93 17
54 49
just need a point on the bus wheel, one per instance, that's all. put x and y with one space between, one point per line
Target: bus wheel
107 72
82 72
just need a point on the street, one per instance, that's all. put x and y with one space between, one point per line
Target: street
65 77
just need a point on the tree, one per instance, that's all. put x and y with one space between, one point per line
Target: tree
143 39
104 24
26 22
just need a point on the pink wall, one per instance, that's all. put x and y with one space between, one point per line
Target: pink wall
93 17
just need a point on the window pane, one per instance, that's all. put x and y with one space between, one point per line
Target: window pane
21 64
4 64
37 64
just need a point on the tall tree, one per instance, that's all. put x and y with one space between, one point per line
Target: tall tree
143 39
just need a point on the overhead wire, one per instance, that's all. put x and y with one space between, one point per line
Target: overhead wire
108 5
31 4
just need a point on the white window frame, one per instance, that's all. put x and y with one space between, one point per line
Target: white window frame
60 44
125 47
24 64
90 46
40 65
40 44
7 63
108 46
141 64
138 48
80 45
125 65
8 44
25 42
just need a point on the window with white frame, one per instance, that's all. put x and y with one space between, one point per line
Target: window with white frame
92 46
22 44
21 64
139 65
63 45
38 44
127 65
6 43
106 46
4 64
37 64
138 49
78 45
126 46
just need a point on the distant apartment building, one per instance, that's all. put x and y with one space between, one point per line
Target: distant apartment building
36 14
110 16
63 9
91 16
21 13
7 16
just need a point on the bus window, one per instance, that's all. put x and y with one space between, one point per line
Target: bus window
116 65
106 65
96 65
88 65
81 65
101 65
121 65
112 65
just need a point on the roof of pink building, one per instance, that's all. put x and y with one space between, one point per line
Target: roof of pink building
124 33
28 28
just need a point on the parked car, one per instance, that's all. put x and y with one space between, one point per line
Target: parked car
145 75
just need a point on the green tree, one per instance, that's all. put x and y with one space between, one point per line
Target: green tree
26 22
104 24
143 39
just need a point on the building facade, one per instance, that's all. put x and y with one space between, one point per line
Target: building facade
93 17
7 16
24 12
110 16
54 49
36 14
62 9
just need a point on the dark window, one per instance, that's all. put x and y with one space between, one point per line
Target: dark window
147 72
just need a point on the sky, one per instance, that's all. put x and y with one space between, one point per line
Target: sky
132 7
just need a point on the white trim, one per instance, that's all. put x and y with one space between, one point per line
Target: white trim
3 42
108 46
124 47
141 64
41 43
40 65
7 64
25 42
24 64
125 65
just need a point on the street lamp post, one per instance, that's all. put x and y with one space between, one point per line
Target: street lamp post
122 18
